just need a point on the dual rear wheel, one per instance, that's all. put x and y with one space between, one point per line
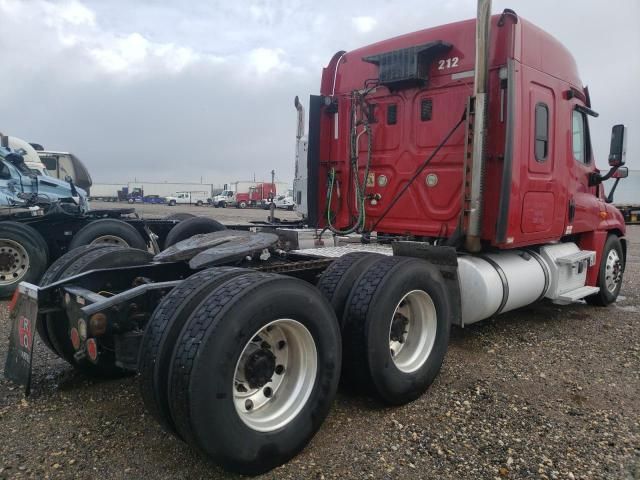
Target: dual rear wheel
241 365
258 356
395 316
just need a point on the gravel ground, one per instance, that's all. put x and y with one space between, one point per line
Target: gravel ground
544 392
224 215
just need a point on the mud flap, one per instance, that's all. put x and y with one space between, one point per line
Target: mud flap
23 318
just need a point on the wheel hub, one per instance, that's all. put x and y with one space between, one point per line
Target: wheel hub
7 261
259 367
613 271
412 331
275 375
399 328
14 261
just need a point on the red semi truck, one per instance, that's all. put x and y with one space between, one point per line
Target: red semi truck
464 168
245 194
256 194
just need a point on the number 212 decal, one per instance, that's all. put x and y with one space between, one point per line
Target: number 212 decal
448 63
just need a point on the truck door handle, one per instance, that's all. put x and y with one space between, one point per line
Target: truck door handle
572 210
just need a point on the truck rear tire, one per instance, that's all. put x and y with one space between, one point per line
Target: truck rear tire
111 231
34 234
396 329
161 334
190 227
23 256
336 281
257 384
199 203
610 273
59 325
172 203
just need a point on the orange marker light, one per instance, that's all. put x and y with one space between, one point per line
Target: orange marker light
14 300
603 215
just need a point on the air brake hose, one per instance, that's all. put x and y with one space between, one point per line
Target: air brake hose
419 171
360 191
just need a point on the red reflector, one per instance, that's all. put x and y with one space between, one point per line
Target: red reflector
75 338
92 349
14 300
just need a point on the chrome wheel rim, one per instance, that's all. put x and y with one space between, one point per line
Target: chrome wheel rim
412 332
613 271
14 261
275 375
111 240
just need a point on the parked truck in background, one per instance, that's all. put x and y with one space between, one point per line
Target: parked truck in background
22 184
61 165
225 198
64 165
444 181
243 194
167 189
28 153
257 193
198 198
43 217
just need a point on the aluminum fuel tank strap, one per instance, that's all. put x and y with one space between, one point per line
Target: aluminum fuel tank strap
503 279
545 269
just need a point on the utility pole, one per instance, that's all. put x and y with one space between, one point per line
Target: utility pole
272 208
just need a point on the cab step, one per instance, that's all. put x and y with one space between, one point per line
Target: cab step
575 295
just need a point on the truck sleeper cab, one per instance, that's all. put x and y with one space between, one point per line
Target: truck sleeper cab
387 106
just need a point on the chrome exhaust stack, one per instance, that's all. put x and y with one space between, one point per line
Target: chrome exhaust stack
301 174
480 88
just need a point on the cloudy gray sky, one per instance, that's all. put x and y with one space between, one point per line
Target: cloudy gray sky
177 90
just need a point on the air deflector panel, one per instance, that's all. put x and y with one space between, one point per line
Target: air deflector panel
407 67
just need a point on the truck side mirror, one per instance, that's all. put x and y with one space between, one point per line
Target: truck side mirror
618 150
621 172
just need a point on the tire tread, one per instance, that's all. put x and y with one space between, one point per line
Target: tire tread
152 348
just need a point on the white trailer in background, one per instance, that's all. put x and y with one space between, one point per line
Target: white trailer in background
282 188
105 192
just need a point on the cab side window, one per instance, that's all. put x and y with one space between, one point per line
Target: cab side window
541 148
5 174
578 137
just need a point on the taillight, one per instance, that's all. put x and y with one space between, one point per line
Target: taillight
75 338
92 350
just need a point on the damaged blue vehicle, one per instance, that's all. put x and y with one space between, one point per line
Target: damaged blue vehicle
22 186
